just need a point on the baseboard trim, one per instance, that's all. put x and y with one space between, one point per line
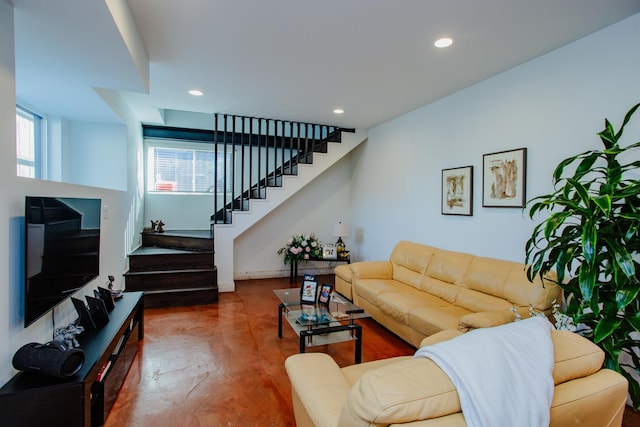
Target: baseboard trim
270 274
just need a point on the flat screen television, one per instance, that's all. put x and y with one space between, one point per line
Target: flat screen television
62 250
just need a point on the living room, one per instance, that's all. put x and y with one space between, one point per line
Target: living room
388 189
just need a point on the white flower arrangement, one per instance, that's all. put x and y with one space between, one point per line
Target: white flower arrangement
301 247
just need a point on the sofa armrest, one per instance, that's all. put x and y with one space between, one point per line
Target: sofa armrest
485 319
372 270
444 335
320 386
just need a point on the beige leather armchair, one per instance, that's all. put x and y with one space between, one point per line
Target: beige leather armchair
415 392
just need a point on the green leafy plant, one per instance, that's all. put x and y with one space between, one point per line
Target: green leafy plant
591 240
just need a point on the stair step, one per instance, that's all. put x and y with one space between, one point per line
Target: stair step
170 279
180 297
158 259
195 240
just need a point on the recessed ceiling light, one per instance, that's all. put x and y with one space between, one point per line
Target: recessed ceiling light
338 111
443 42
196 92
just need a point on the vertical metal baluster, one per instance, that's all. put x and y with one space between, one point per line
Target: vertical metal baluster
298 143
282 151
215 170
224 170
232 166
250 156
242 191
290 139
259 158
306 143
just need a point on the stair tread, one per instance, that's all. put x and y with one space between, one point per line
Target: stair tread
196 234
151 272
185 290
155 250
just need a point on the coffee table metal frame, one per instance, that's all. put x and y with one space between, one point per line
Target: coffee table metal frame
329 331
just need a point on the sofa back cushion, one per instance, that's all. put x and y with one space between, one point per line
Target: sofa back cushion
505 281
410 260
409 390
540 295
445 273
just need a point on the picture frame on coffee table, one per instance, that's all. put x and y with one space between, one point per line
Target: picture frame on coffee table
308 292
324 295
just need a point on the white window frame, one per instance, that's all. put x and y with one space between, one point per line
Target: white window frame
38 142
151 179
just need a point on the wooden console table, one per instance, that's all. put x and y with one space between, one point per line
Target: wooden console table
294 265
32 399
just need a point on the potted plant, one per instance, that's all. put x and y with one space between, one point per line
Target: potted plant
591 239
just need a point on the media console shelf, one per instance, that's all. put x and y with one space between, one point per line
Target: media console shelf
32 399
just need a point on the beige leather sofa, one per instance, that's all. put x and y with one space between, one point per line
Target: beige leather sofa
415 392
422 290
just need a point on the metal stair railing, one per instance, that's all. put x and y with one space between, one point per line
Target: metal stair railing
262 152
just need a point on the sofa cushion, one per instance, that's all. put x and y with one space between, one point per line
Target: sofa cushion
522 292
449 266
478 301
402 392
574 356
371 270
439 288
370 289
399 304
429 320
487 275
410 261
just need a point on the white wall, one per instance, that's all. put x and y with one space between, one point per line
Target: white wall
120 220
553 105
95 155
7 174
322 203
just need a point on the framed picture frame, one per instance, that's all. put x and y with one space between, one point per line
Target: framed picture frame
457 191
504 179
308 292
324 295
329 251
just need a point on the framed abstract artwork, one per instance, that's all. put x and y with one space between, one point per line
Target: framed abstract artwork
504 179
457 191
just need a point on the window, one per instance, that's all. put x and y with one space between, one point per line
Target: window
28 143
188 170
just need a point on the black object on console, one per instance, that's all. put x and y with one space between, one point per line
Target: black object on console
98 311
52 358
106 296
84 316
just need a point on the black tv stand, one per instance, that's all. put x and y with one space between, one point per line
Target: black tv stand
32 399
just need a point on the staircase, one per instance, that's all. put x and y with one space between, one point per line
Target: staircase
174 268
255 155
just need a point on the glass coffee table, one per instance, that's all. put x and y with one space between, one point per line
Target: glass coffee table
320 325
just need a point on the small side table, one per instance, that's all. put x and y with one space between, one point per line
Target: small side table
294 265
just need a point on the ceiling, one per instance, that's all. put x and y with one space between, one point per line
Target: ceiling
285 59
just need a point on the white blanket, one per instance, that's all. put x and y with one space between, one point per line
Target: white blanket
503 375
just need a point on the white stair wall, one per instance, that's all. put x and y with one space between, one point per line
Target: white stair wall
225 234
